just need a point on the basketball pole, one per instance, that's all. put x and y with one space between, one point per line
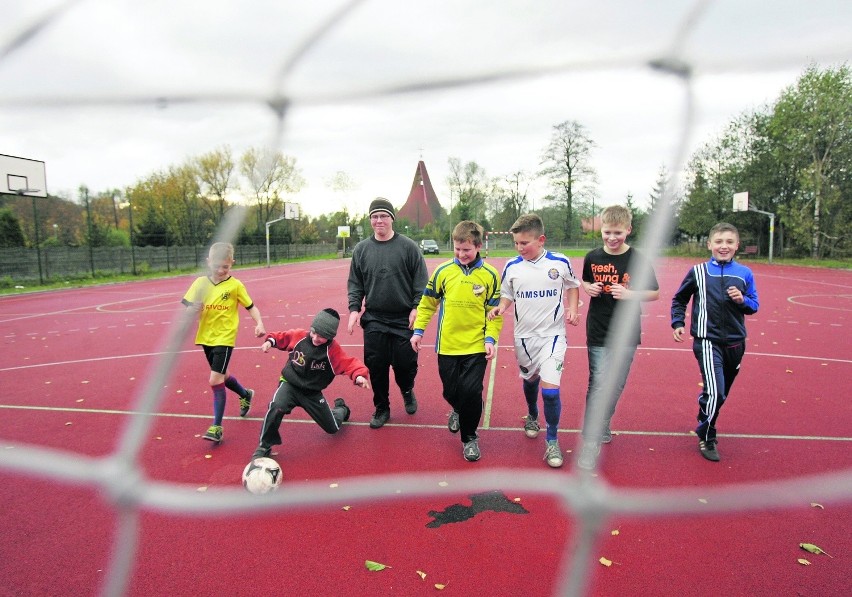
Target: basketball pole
771 227
23 193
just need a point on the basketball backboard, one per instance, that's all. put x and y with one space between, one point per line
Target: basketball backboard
741 201
291 211
22 176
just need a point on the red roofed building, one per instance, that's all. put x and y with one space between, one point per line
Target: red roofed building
422 206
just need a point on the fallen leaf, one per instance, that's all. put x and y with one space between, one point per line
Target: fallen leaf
440 587
68 423
614 532
702 500
815 505
813 548
517 500
347 508
208 455
803 562
789 370
421 574
375 566
605 562
80 399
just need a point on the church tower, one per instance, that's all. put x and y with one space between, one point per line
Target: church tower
422 206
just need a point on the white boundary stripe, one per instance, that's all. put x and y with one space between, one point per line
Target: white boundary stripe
518 429
489 390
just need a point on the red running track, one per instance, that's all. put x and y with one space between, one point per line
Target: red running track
76 361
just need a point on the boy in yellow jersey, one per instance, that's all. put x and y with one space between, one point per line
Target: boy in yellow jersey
463 291
217 298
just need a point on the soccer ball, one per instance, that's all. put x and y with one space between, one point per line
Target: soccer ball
262 475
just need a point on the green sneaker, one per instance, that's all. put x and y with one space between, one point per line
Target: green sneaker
245 403
214 434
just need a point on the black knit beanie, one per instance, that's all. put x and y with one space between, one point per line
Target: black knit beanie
382 204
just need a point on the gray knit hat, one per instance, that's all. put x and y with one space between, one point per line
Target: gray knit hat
325 323
382 204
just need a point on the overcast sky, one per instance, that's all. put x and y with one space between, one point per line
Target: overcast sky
107 92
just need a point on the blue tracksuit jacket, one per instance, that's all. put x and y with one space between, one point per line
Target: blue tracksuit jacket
715 316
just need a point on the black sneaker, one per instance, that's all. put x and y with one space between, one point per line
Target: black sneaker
245 403
708 450
380 417
453 422
470 451
410 402
339 403
262 452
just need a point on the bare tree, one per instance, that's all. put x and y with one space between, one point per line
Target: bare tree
470 184
214 172
567 164
516 200
271 175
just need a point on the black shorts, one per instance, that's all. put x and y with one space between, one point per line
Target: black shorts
218 357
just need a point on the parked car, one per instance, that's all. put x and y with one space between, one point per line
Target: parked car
429 246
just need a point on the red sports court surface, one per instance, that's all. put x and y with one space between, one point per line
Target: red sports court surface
75 363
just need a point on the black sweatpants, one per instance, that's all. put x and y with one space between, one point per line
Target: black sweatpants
462 377
719 367
287 398
383 350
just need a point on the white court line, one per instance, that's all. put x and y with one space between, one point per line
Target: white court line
489 390
517 430
95 307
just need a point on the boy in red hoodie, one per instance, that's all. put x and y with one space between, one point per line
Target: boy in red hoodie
315 358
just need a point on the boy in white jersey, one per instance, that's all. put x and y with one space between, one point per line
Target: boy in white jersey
535 282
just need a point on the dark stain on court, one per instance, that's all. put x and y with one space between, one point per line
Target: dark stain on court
490 501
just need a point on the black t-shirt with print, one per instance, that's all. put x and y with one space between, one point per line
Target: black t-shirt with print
600 266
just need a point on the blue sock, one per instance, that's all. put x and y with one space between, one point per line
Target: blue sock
219 398
232 384
552 410
531 394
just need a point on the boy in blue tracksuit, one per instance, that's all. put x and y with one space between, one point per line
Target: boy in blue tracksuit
723 293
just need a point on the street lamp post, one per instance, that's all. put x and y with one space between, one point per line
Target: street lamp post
132 247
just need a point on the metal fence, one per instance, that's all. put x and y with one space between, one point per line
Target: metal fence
49 264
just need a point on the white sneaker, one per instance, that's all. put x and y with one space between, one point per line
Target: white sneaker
553 454
531 427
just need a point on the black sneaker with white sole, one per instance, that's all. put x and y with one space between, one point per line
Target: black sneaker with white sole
708 450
